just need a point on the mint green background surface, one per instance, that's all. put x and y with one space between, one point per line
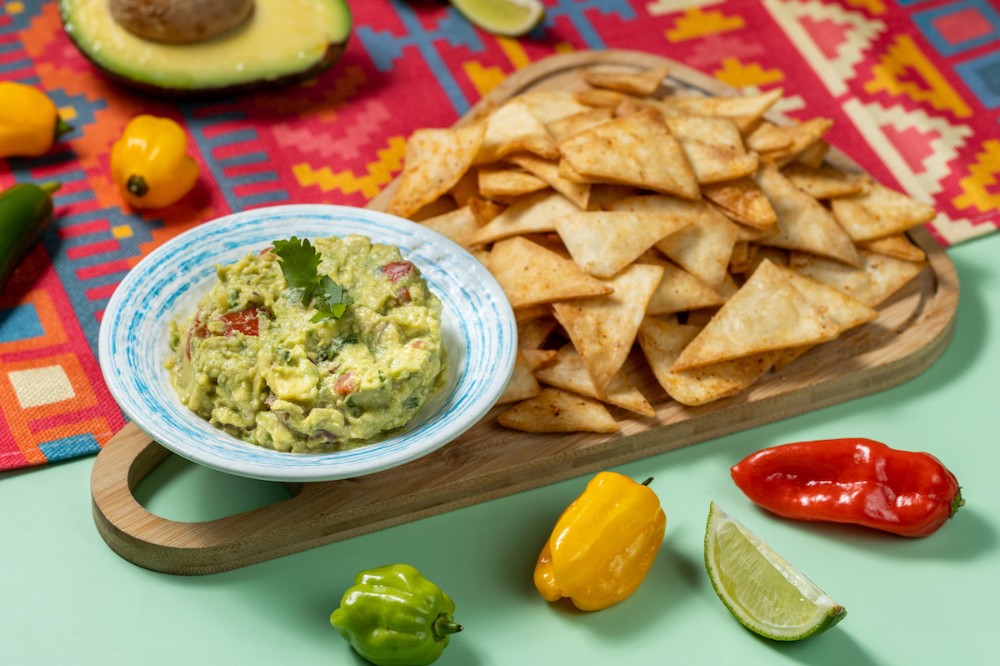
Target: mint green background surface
66 598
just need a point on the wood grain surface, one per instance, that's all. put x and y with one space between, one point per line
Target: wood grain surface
489 461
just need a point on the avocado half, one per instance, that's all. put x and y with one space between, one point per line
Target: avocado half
283 41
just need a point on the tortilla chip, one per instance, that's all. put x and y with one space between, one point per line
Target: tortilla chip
466 188
814 155
533 333
638 150
536 358
551 105
522 383
434 162
743 201
803 223
601 99
578 193
459 225
704 247
603 243
679 291
879 212
878 278
715 165
514 128
842 309
531 214
898 246
500 182
603 329
569 126
767 313
531 274
662 343
567 371
558 411
439 206
768 137
712 131
744 110
531 312
801 136
825 182
750 234
485 210
642 83
604 197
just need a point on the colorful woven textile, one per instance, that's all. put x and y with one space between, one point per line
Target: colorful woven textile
912 85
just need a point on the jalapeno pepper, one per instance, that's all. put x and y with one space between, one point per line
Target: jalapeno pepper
25 213
603 545
852 480
393 616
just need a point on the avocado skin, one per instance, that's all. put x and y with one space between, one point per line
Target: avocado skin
333 52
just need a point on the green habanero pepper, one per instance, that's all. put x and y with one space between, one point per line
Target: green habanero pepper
25 213
393 616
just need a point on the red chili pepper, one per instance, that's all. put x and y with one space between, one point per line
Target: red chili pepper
852 480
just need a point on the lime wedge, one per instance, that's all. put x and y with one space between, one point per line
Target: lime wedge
766 594
509 18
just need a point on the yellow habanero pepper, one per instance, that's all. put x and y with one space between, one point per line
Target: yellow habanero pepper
150 164
29 121
603 544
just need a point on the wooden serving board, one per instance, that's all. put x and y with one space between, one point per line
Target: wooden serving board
488 461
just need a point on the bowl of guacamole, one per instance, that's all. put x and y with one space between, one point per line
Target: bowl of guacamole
307 342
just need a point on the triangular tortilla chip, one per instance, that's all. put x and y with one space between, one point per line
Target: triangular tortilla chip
643 83
603 329
439 206
532 333
558 411
531 274
514 128
502 182
803 223
435 160
679 291
712 164
603 243
536 358
638 150
745 109
743 201
713 131
551 105
662 343
825 182
879 212
814 155
567 371
765 314
844 310
878 278
522 383
597 98
702 248
578 193
603 197
536 213
898 246
466 188
564 128
459 225
530 312
801 136
485 210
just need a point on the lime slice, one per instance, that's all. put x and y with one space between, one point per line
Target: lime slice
766 594
510 18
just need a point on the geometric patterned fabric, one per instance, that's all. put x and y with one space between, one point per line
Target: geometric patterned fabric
913 87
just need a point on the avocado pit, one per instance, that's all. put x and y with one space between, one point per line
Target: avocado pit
180 21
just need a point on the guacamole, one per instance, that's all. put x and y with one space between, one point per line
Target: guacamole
259 360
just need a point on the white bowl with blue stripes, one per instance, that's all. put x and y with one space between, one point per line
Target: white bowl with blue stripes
478 332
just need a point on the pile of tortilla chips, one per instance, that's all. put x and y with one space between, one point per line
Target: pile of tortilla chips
625 214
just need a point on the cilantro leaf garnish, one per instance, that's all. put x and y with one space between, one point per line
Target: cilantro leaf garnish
299 263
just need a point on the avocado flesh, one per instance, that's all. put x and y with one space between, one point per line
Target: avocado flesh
282 40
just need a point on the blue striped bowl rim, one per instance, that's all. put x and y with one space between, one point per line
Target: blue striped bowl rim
478 331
